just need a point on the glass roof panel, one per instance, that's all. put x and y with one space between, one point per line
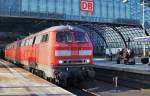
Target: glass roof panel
112 37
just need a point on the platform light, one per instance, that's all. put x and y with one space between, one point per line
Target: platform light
71 28
125 1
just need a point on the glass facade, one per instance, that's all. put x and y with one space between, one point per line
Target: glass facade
109 36
104 10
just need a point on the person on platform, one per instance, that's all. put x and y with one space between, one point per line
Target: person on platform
110 54
131 59
119 55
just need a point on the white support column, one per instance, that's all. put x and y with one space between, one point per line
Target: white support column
143 25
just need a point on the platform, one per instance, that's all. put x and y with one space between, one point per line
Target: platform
112 65
19 82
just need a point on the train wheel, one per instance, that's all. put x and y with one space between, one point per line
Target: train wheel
40 73
30 69
44 76
61 82
34 71
52 80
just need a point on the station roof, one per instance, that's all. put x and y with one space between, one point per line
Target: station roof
112 36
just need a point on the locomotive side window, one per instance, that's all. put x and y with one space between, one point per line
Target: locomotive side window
45 38
63 36
80 37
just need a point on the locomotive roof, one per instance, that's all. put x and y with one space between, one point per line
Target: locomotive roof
60 28
65 28
57 28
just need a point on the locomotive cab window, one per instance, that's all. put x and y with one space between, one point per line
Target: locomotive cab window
80 37
63 37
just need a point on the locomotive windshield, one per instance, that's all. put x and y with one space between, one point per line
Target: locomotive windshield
71 36
63 37
80 37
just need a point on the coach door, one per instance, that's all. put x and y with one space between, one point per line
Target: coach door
36 48
43 50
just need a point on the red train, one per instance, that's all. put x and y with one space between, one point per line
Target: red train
60 53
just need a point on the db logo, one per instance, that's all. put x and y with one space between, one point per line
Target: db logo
87 5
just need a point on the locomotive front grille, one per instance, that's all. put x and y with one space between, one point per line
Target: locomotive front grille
75 61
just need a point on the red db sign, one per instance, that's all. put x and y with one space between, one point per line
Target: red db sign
87 5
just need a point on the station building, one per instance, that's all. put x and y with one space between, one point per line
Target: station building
110 23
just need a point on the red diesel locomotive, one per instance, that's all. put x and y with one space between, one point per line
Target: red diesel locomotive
59 53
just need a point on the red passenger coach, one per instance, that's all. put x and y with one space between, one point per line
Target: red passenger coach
59 53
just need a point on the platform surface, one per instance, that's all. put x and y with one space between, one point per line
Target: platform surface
112 65
19 82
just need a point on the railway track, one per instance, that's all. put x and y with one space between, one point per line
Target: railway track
128 79
100 88
112 87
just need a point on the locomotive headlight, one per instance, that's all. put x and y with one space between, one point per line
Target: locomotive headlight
60 61
87 61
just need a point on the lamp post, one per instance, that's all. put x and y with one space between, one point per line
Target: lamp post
143 25
143 21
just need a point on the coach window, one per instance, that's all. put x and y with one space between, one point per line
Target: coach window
25 42
38 39
19 44
30 41
22 42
